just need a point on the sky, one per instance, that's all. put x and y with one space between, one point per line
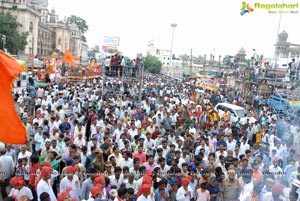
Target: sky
205 26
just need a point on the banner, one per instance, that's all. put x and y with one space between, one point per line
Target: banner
111 41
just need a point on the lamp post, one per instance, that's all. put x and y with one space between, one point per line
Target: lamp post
4 42
173 25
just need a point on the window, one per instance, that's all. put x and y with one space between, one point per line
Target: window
31 27
59 41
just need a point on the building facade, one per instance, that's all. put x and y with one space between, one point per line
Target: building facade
285 49
45 30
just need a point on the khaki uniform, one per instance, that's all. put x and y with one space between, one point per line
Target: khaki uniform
230 189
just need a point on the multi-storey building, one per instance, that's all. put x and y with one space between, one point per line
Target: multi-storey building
45 30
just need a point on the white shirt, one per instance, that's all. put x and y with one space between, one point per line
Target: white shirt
74 184
115 182
243 148
128 163
44 186
27 155
143 198
23 194
180 194
79 142
132 185
230 145
6 167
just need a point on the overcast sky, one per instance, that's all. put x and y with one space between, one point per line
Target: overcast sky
212 26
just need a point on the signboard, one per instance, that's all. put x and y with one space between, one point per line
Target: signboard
26 57
111 49
277 72
111 41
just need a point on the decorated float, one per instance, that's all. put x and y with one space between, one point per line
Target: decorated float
92 71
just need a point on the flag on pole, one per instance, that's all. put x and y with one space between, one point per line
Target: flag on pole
69 58
12 130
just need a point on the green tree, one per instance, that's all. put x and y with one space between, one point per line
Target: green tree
152 64
15 42
81 24
83 38
226 60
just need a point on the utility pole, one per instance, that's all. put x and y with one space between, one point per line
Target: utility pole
173 25
191 63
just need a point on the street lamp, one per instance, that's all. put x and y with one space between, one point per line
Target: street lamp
4 42
173 25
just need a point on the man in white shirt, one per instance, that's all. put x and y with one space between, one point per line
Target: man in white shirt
44 184
71 180
116 180
126 160
146 193
20 190
185 192
24 153
230 143
131 183
79 141
6 169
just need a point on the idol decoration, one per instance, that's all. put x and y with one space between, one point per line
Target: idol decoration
93 66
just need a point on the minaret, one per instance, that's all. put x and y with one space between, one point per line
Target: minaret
151 47
52 16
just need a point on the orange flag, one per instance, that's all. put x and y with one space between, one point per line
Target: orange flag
12 130
68 58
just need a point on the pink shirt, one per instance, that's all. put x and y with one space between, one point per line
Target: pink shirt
141 156
150 167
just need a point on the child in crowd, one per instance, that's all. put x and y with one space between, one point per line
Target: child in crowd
202 193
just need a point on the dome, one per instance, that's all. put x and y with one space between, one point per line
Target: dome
283 36
74 27
242 51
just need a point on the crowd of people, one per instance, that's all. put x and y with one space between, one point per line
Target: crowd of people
86 143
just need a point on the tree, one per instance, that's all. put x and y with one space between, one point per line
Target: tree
226 60
83 38
15 42
152 64
81 24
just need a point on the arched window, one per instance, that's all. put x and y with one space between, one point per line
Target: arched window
31 27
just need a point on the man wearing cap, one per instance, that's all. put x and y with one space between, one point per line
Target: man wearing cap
267 189
276 170
185 192
71 180
98 161
44 183
19 190
146 192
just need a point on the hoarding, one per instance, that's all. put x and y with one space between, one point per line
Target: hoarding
111 41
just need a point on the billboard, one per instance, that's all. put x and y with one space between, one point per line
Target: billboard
111 41
111 49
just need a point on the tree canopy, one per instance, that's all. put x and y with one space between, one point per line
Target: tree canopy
226 60
152 64
14 42
81 24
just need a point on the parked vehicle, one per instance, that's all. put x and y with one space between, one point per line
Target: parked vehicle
235 112
277 102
